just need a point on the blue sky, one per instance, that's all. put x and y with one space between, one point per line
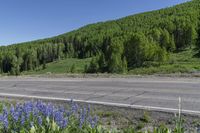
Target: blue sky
25 20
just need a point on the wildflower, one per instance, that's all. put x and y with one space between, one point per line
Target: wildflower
82 118
4 117
93 122
64 123
39 120
22 120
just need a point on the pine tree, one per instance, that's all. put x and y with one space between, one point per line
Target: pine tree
198 41
73 68
1 59
115 60
94 66
167 41
103 64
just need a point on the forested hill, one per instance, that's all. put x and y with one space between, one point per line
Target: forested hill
116 46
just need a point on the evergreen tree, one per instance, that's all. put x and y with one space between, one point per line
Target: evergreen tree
1 59
115 60
94 66
198 41
166 41
103 64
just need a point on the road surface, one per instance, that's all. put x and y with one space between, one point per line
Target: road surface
156 93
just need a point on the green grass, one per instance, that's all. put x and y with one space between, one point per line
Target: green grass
63 66
182 62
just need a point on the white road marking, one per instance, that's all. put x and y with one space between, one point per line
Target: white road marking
102 103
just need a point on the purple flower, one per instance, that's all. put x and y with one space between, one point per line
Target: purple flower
4 117
33 113
88 109
93 121
39 120
63 123
82 118
22 120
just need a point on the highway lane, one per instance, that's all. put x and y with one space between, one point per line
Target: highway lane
158 93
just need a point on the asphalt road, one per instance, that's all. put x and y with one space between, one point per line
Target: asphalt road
157 93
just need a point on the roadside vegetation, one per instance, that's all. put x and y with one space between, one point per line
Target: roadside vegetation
182 62
41 117
133 43
69 65
185 61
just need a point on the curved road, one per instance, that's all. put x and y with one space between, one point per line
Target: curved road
156 93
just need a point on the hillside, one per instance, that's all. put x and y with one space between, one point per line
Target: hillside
138 41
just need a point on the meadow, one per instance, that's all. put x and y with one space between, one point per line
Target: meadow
71 65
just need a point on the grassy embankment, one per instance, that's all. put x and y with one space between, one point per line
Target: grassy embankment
182 62
70 65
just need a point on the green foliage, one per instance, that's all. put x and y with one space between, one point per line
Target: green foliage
139 50
182 62
115 57
62 66
198 41
145 118
129 130
179 125
94 66
162 129
73 68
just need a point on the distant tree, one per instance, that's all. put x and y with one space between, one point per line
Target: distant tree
191 35
103 64
116 50
134 50
28 59
69 50
73 68
7 62
156 34
18 52
198 41
166 41
94 66
1 59
124 65
16 62
60 49
44 65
